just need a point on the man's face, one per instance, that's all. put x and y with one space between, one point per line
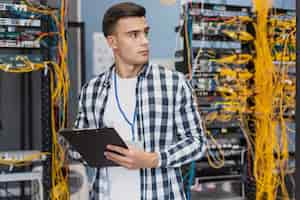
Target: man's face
130 40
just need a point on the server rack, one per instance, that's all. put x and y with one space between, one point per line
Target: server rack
203 38
20 29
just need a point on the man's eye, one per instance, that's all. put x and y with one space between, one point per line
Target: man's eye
134 35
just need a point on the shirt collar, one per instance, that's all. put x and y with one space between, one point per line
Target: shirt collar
142 74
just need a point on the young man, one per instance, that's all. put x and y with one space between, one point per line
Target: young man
151 108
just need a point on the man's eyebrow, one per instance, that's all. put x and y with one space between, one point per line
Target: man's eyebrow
138 30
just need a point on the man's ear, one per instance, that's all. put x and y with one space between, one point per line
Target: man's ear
111 40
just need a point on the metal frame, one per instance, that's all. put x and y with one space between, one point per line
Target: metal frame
25 176
237 177
81 26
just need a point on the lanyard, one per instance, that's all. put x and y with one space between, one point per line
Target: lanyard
131 124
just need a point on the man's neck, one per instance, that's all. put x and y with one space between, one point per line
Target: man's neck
128 71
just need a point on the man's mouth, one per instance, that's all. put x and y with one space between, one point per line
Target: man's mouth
146 52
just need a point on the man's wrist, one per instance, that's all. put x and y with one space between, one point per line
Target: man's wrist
154 160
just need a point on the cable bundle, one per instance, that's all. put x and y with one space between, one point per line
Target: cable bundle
60 83
271 155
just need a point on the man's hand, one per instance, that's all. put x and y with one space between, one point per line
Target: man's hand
131 158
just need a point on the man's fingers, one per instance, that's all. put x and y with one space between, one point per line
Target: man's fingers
121 160
116 157
117 149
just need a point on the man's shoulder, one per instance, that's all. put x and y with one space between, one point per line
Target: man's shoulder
158 69
96 81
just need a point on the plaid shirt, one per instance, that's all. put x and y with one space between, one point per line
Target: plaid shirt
167 122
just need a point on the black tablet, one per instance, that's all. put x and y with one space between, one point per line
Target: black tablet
91 144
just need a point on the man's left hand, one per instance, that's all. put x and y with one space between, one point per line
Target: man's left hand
131 158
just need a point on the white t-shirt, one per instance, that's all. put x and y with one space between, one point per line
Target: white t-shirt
124 183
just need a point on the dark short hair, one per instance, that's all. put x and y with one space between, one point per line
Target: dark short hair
118 11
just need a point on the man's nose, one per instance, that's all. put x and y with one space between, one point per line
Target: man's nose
144 39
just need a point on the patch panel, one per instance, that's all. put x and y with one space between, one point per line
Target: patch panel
17 14
205 84
285 16
205 66
218 7
10 57
9 6
20 22
278 4
209 66
218 13
229 124
214 28
19 29
19 44
18 155
205 74
19 35
216 44
208 101
207 54
12 62
244 3
205 93
232 131
291 64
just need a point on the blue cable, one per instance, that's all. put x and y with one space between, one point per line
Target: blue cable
191 177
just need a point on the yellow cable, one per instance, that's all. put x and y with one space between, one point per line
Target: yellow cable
266 164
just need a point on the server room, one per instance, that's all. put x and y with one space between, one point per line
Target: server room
148 99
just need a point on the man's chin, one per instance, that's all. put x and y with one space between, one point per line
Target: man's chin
142 62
